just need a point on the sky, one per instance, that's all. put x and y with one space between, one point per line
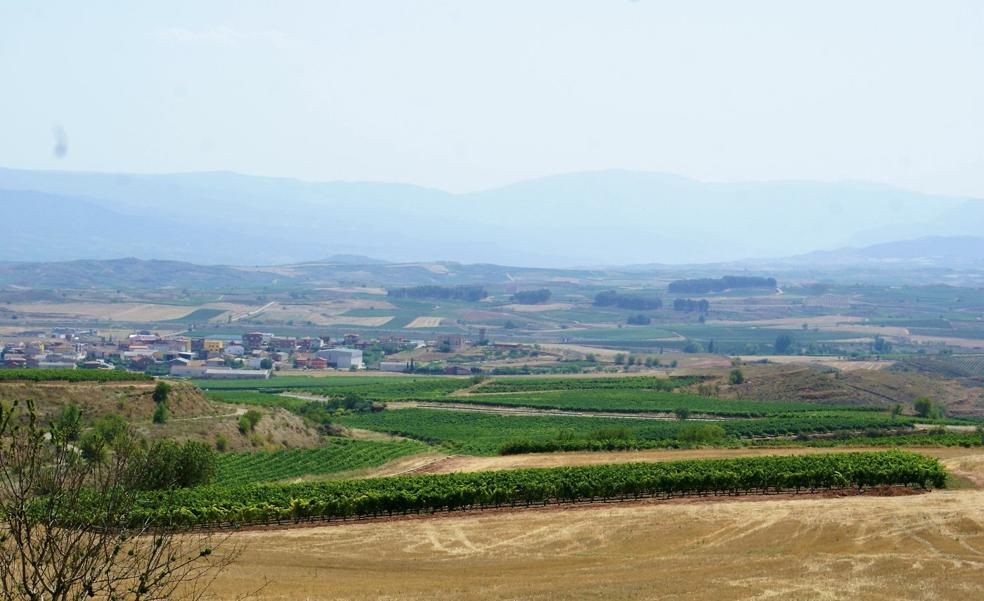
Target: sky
465 96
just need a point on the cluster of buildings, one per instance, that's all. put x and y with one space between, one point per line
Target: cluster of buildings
251 355
43 354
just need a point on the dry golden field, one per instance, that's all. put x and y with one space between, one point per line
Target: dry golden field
928 546
425 322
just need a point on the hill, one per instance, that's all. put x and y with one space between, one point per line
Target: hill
193 417
942 250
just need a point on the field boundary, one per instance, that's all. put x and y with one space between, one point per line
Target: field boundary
566 504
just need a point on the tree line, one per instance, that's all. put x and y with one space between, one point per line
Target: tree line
690 305
464 292
531 297
637 302
702 285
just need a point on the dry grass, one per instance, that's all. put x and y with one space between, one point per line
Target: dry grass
875 548
104 311
425 322
833 362
192 416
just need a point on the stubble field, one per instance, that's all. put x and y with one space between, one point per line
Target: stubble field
928 546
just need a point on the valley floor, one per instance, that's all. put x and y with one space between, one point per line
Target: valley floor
927 546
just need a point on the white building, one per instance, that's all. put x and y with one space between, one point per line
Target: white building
237 374
342 358
394 366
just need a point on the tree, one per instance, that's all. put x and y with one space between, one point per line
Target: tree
266 363
736 377
248 421
925 407
681 413
532 297
896 410
160 414
692 346
67 532
619 358
783 344
68 424
161 392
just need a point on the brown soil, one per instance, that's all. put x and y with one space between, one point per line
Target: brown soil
857 387
858 547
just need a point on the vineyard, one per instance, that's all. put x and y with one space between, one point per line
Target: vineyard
913 438
394 389
476 433
639 401
230 506
497 385
71 375
371 387
334 457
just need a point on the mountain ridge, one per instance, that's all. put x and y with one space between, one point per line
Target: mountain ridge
580 218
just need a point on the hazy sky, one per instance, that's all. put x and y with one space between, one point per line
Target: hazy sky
468 95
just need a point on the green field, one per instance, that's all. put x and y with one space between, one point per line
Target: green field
371 387
336 456
630 401
506 384
72 375
475 433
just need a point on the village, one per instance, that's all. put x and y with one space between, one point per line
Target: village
252 355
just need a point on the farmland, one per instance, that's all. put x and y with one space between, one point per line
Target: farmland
334 457
634 401
431 493
485 434
844 548
652 407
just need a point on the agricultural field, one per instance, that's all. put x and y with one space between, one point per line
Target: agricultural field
424 322
335 457
219 505
476 433
638 401
816 548
371 387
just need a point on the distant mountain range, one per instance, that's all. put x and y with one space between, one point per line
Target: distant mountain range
949 251
930 259
589 218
